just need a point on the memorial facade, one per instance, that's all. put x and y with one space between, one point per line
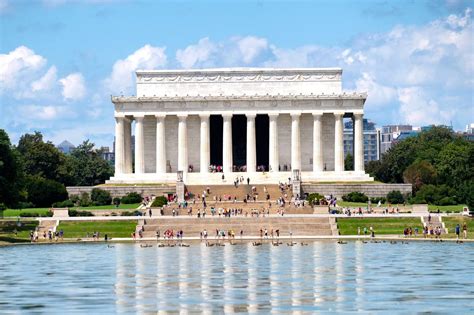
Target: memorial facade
254 122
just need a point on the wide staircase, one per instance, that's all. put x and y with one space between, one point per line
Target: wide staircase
240 192
435 222
251 226
45 226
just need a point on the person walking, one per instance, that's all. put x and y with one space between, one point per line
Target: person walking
457 229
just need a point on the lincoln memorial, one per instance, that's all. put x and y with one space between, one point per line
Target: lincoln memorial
254 122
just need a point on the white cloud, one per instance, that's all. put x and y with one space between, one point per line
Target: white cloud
250 47
194 54
379 95
122 77
236 51
46 82
418 109
73 87
17 65
48 112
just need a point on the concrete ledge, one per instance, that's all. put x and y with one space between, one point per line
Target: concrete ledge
122 190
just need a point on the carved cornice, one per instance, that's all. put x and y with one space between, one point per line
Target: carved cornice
243 97
239 75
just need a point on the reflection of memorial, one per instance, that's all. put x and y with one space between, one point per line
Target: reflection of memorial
281 119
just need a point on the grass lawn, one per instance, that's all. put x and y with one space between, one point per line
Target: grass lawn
78 229
450 223
23 232
348 226
16 212
132 206
342 203
454 208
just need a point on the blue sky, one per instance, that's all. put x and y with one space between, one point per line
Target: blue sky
61 60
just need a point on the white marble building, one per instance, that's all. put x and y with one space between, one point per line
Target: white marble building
282 119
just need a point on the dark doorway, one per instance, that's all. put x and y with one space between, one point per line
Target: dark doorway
262 125
216 123
239 139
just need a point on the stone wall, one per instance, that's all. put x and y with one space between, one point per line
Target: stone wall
371 190
120 191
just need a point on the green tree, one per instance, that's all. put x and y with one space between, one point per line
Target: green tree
419 173
349 162
86 166
41 158
11 172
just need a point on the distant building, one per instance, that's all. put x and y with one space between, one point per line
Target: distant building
390 133
66 147
371 140
107 155
468 134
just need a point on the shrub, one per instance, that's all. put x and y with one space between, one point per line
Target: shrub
159 201
376 200
131 213
132 197
447 201
355 196
100 197
116 201
77 213
75 199
24 205
35 214
314 198
84 200
44 192
63 204
395 196
438 195
2 206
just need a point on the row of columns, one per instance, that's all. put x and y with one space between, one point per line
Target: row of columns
123 157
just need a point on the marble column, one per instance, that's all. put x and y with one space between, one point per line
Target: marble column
273 143
160 144
317 143
358 143
251 143
338 142
205 146
183 143
295 142
139 145
119 145
128 146
227 161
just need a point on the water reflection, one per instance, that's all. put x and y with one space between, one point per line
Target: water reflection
323 276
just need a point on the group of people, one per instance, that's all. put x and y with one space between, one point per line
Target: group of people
49 235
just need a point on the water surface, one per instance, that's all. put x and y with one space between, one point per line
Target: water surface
323 276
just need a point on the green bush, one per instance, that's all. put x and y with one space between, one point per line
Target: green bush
75 199
131 213
44 192
435 194
77 213
132 197
116 201
159 201
2 206
447 201
63 204
24 205
84 200
355 196
376 200
100 197
35 214
314 198
395 196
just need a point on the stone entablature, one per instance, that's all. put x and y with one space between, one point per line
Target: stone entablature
228 81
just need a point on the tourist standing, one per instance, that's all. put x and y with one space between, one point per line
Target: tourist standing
464 230
457 230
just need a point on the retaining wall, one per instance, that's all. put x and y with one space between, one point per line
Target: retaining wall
371 190
122 190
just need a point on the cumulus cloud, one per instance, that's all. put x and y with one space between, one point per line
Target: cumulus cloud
73 87
48 112
17 65
46 82
122 77
236 51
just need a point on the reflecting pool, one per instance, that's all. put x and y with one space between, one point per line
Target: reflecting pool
322 276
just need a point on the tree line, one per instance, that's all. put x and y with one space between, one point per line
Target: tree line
35 173
438 163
